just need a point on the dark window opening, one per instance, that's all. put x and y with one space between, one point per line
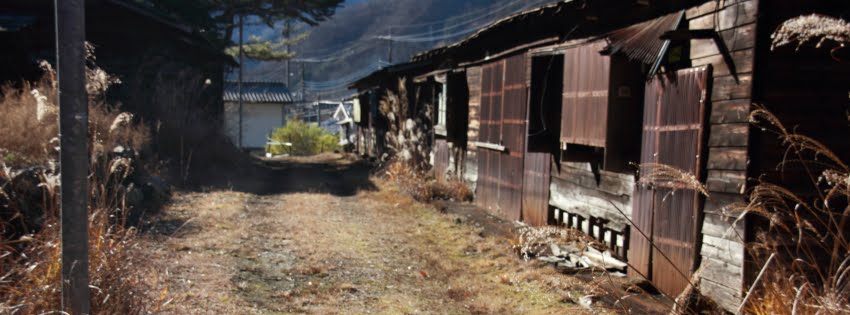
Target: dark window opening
544 111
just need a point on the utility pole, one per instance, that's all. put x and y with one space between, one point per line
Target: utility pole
303 83
241 67
390 41
73 154
288 35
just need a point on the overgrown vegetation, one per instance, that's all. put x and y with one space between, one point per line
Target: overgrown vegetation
417 184
306 139
29 201
406 137
804 249
30 127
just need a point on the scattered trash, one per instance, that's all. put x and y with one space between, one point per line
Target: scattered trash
571 259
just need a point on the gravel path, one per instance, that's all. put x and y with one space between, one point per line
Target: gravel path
300 243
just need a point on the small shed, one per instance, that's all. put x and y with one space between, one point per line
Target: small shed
263 110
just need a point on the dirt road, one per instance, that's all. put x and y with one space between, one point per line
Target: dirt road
323 237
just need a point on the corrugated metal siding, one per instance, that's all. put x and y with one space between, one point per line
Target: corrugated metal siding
535 195
673 125
503 121
586 83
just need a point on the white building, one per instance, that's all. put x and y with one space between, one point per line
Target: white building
263 110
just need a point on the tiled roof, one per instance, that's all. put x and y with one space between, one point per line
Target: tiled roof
258 92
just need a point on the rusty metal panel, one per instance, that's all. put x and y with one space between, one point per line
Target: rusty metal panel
640 248
514 135
503 122
674 118
535 194
584 115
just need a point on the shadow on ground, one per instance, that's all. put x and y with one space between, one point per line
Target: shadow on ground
333 174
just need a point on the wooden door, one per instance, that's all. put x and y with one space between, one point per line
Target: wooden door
666 215
503 124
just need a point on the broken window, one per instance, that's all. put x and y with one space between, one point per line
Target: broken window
442 89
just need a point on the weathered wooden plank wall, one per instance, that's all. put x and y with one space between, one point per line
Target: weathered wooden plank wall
473 80
722 246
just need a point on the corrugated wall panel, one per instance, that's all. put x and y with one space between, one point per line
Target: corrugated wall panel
586 84
535 194
503 122
673 127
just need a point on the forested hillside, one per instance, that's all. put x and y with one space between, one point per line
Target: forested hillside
348 45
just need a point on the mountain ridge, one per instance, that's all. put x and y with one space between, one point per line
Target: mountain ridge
351 44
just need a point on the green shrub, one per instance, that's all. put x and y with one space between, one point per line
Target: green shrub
306 139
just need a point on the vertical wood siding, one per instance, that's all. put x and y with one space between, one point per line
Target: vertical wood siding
441 159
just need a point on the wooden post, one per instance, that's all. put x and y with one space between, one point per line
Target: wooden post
241 67
74 154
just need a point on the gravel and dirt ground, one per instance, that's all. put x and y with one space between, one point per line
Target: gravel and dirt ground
322 236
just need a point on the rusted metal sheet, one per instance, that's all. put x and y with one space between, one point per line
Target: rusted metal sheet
503 122
441 159
669 214
584 113
535 194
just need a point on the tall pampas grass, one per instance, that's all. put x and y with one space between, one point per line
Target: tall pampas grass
30 266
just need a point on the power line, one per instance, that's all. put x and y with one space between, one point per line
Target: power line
477 21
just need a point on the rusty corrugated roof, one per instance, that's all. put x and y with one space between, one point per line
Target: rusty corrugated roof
642 41
556 6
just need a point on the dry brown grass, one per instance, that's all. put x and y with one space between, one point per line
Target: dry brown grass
120 278
378 252
27 140
421 187
807 234
803 248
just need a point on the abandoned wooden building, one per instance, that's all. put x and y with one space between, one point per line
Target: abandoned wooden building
548 114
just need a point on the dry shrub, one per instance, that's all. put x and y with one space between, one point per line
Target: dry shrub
30 267
803 247
30 126
120 279
810 28
652 174
416 184
408 128
188 141
805 234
